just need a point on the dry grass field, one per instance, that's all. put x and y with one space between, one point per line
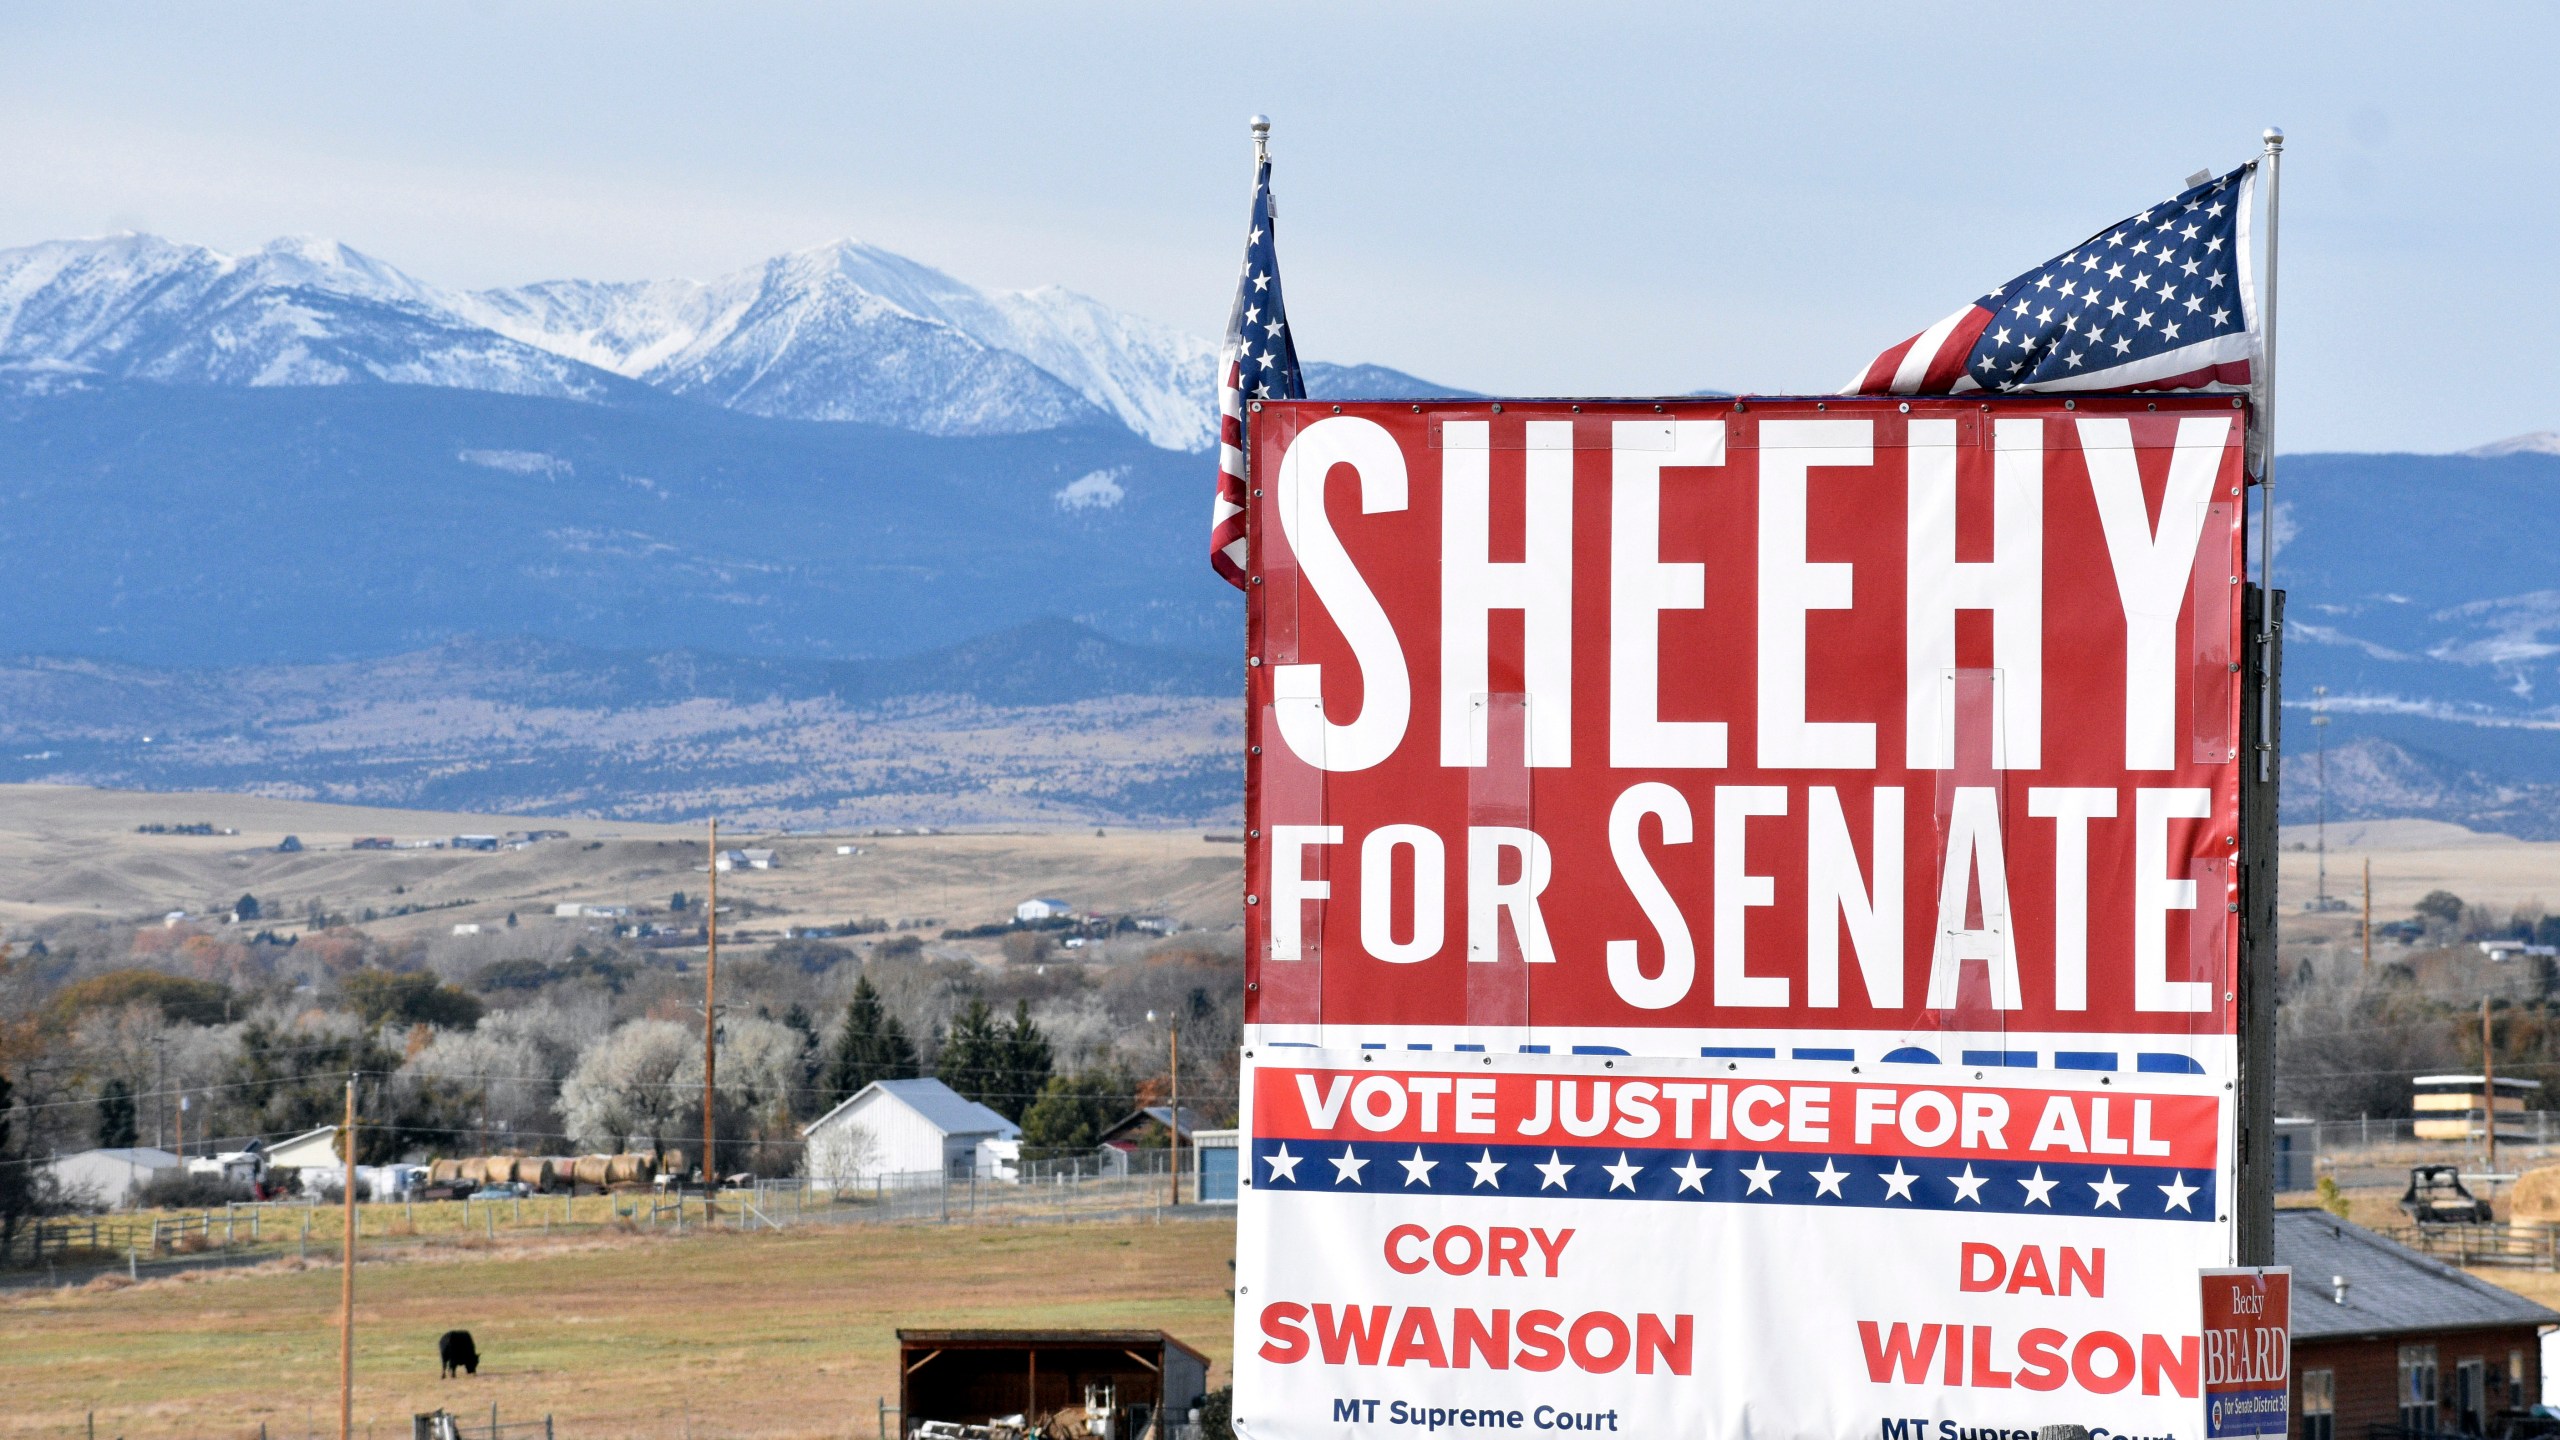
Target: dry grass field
66 850
722 1335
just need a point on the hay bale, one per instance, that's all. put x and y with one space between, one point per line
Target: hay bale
443 1172
471 1169
540 1176
671 1161
2536 1197
595 1170
627 1170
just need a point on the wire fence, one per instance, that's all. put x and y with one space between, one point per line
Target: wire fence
2370 1152
1114 1185
1109 1185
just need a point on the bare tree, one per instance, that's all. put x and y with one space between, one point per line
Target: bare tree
631 1083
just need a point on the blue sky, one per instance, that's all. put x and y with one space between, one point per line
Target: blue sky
1527 199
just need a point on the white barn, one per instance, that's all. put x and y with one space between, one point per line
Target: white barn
897 1127
1044 908
111 1177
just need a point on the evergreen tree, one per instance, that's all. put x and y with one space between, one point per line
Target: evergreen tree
1027 1063
19 1191
903 1062
974 1056
872 1046
807 1075
117 1127
1071 1114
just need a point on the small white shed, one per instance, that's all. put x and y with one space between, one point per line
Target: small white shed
898 1127
111 1177
1045 908
311 1147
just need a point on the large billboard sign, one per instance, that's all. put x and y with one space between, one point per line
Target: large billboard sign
1688 1247
1851 729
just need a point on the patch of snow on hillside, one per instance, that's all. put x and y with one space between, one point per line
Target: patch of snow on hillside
1095 490
518 462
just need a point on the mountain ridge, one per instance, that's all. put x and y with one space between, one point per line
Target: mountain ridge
844 331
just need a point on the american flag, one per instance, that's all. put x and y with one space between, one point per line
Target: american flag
2160 301
1258 362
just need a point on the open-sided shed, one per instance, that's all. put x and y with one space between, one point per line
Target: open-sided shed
970 1377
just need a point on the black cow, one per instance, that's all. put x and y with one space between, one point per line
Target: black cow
455 1349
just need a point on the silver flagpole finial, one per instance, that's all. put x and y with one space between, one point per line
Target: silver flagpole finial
2274 138
1261 137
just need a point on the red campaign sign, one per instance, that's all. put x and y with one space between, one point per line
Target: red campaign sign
1795 715
1771 1114
2248 1351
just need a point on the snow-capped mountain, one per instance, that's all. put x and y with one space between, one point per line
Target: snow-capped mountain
836 332
298 312
841 332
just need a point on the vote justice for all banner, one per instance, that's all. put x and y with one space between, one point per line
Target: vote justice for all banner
1748 726
1468 1245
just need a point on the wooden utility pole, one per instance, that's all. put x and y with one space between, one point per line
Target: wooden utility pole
2368 915
710 1024
1173 1126
347 1282
2488 1086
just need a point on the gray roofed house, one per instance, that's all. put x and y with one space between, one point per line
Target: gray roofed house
1151 1120
2390 1287
111 1176
2385 1338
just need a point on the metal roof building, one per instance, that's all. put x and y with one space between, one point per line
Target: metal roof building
111 1176
898 1127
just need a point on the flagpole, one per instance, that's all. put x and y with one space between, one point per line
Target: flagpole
2264 379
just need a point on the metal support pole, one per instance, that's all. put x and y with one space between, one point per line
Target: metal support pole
2263 381
2254 1205
2488 1085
